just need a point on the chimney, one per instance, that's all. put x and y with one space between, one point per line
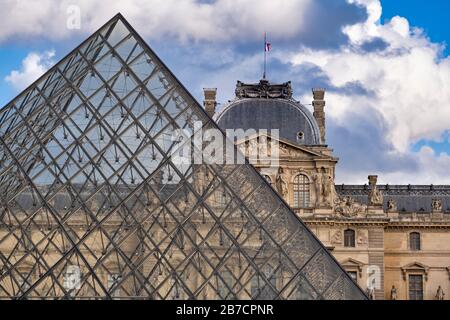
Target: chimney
373 180
210 100
319 114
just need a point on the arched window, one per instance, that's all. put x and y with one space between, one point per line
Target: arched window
349 238
414 241
301 191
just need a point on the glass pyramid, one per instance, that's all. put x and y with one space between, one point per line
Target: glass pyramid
94 207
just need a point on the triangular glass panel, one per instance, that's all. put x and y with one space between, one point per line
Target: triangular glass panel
95 202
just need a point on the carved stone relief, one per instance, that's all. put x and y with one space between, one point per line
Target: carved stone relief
337 237
391 205
436 205
348 207
362 237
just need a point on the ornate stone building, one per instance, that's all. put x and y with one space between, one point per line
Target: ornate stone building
393 240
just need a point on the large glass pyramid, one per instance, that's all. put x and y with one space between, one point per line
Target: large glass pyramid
93 205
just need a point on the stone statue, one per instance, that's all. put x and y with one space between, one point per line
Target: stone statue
262 147
440 294
394 293
251 149
281 183
392 206
371 293
318 185
436 204
327 181
323 183
375 196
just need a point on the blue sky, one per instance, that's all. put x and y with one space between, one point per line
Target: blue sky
433 16
384 64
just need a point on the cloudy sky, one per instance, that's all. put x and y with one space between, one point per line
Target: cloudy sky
385 65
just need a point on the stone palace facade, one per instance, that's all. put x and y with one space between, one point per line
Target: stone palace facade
394 240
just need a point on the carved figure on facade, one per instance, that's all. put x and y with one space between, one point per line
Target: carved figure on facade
348 207
323 183
282 183
371 293
436 205
394 293
440 293
362 237
391 205
337 237
284 150
375 196
251 149
264 89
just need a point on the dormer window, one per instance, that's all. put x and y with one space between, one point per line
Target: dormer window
300 136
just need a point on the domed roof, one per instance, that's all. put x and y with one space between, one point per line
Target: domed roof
255 108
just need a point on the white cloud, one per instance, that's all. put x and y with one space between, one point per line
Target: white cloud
33 66
406 83
433 169
183 19
410 82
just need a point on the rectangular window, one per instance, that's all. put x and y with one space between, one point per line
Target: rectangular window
414 241
349 238
415 287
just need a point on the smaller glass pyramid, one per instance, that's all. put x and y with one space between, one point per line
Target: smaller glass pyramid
94 206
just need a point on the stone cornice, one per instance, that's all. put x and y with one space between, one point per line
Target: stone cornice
418 224
430 253
387 190
343 221
399 268
384 221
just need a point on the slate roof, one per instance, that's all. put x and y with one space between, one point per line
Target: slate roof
289 116
409 198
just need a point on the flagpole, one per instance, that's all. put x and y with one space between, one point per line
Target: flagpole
265 53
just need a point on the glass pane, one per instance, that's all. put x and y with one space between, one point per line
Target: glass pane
94 187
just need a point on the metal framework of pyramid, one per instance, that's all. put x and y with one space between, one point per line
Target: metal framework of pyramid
93 207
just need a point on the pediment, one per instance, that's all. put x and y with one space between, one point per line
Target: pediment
286 148
415 267
352 264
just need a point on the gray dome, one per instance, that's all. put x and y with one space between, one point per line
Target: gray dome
289 116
